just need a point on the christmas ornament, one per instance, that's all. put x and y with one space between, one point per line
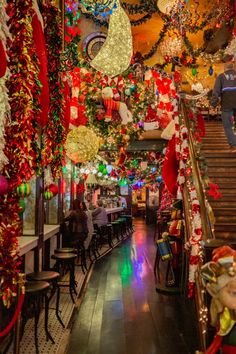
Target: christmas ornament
115 54
53 188
23 190
109 168
210 71
171 47
165 6
22 205
3 185
159 179
48 195
194 71
82 144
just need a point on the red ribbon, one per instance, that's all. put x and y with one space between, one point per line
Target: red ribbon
14 318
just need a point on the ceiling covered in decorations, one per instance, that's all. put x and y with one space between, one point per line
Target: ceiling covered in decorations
161 33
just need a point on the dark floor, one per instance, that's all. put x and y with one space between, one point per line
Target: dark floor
121 312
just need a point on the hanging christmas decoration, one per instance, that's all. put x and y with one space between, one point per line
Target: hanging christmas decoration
24 190
171 47
3 185
4 75
165 6
115 54
55 131
48 195
82 144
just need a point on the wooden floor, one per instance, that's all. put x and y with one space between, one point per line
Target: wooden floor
121 312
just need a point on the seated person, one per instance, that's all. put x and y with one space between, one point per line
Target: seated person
89 225
78 223
100 215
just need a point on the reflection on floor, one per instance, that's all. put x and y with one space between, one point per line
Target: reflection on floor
121 312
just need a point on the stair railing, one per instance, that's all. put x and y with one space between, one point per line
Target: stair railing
207 228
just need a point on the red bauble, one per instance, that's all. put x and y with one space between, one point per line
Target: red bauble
3 185
81 98
53 188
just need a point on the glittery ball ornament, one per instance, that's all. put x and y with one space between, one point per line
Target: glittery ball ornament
165 6
3 185
82 144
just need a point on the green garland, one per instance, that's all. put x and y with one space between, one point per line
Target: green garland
104 23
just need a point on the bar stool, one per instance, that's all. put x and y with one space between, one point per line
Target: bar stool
52 278
129 219
81 254
106 234
66 261
35 293
115 229
94 245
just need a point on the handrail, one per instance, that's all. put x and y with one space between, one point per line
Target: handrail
206 229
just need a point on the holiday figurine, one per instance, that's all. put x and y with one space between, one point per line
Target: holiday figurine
219 277
112 105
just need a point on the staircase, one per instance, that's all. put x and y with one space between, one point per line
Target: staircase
221 170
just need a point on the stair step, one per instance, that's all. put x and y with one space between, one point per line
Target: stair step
219 180
224 211
224 198
225 219
226 235
222 171
223 204
219 153
228 192
213 161
227 185
225 227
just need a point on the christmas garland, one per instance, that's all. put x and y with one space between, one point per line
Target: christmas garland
20 137
104 23
55 133
4 103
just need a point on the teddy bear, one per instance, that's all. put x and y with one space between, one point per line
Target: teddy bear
112 105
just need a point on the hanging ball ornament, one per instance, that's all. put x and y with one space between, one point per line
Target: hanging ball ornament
22 205
82 144
48 195
3 185
23 190
53 188
109 168
159 179
165 6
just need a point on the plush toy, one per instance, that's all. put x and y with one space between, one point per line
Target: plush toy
112 105
219 278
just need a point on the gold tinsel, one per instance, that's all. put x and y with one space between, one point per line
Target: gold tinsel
115 54
82 144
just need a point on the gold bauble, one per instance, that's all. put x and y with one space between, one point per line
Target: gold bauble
165 6
82 144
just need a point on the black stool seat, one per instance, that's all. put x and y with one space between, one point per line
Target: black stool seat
46 275
64 256
36 286
65 250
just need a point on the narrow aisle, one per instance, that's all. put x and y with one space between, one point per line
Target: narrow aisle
121 312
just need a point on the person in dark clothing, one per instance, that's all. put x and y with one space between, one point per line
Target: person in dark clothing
225 89
78 223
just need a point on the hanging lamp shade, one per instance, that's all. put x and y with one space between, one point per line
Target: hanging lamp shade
165 6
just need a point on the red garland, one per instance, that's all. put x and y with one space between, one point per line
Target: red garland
55 131
21 138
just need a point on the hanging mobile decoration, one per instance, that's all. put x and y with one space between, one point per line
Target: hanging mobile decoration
115 54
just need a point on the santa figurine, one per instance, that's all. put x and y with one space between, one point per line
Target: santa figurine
219 277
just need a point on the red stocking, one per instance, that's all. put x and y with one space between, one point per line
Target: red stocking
170 168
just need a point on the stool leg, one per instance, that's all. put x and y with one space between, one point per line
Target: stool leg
36 320
48 335
57 306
